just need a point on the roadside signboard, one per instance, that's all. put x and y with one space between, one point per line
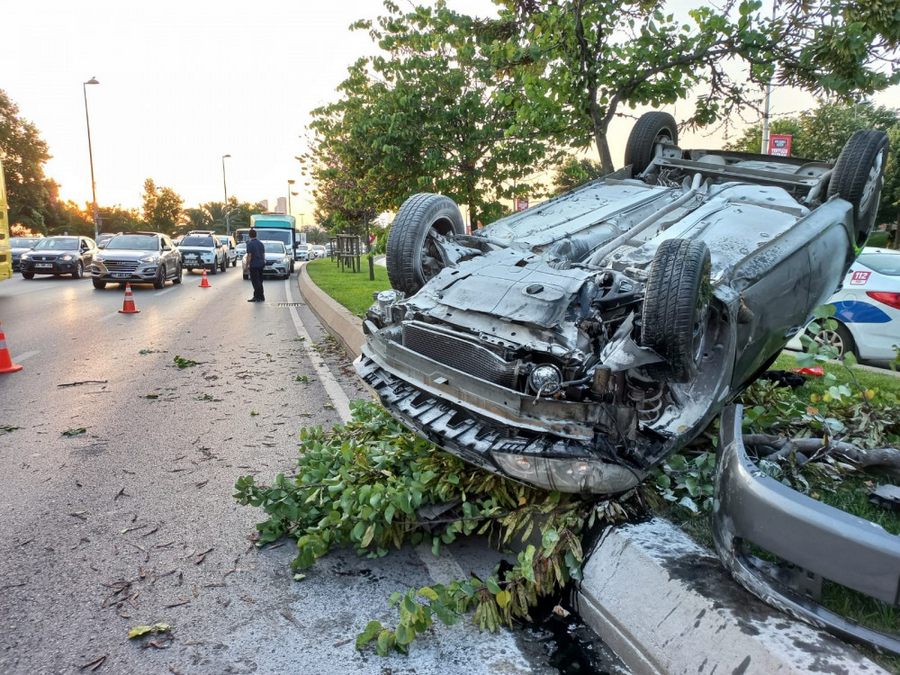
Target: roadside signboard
780 145
521 203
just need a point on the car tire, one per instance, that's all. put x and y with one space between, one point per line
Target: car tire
858 176
79 270
28 275
99 284
224 265
411 258
246 277
651 129
839 338
178 272
160 279
214 269
676 304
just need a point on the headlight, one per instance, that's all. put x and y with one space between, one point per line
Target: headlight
545 379
580 474
24 256
150 259
67 257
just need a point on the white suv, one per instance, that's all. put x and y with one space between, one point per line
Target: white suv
203 250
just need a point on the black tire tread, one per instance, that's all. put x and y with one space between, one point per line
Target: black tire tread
851 171
641 141
407 236
670 299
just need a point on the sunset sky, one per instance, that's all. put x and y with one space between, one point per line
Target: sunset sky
182 83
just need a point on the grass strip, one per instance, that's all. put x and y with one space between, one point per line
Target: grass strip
351 289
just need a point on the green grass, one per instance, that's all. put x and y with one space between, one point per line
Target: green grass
351 289
866 378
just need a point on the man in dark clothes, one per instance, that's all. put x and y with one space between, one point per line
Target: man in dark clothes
256 256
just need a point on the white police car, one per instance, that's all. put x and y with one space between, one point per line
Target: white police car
867 308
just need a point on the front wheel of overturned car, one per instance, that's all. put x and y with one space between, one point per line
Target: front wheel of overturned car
676 305
413 253
651 131
858 176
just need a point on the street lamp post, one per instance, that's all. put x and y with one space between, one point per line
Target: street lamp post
291 181
94 210
225 186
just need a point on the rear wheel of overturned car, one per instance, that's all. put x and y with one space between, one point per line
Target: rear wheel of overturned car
413 254
676 305
649 133
858 176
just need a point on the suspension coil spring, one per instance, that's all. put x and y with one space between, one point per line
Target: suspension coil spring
647 402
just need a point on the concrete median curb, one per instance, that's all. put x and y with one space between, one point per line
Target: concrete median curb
660 601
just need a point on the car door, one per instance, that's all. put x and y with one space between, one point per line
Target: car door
87 252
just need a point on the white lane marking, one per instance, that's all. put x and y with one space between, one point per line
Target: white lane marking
332 388
443 569
167 290
111 315
25 355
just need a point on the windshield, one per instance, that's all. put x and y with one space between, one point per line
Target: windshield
284 236
240 247
196 240
22 242
59 244
883 263
138 242
274 247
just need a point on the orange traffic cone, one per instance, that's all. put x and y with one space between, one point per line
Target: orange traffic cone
204 282
128 305
6 364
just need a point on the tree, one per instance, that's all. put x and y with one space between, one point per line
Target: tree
574 172
579 61
820 134
428 113
24 153
162 207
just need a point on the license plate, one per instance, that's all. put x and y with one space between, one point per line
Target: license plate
43 265
120 275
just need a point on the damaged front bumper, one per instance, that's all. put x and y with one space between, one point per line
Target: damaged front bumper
817 541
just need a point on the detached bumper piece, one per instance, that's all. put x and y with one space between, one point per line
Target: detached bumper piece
816 542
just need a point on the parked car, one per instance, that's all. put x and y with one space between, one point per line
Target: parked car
203 250
18 246
230 253
58 255
577 344
278 261
302 252
104 237
137 257
867 308
317 251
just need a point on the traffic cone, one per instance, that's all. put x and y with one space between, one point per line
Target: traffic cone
6 364
128 305
204 282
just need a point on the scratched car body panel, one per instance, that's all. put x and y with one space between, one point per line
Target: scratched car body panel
576 344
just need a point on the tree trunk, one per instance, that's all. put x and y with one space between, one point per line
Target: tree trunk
600 124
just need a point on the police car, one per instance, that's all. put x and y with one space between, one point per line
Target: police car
867 308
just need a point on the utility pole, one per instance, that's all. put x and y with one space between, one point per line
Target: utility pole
95 212
225 186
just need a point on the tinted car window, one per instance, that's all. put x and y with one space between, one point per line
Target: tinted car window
63 243
21 242
274 247
197 240
139 242
883 263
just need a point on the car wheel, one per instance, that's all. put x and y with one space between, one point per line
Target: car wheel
858 176
28 275
214 269
838 339
224 265
413 256
676 304
98 283
177 278
160 279
650 131
79 270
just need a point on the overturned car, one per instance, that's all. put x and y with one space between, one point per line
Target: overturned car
576 344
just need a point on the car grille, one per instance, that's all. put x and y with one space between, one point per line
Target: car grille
460 354
43 258
121 265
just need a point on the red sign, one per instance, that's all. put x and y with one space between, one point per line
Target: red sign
859 277
780 145
521 203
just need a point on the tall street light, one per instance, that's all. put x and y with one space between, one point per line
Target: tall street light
291 181
225 185
94 210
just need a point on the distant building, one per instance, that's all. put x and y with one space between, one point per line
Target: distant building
263 204
281 205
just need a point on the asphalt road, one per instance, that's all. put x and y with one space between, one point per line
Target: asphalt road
133 521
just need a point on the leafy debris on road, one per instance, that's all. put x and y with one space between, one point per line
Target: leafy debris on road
162 630
182 362
81 515
209 397
200 557
95 664
121 493
302 379
75 431
7 429
80 382
151 396
144 352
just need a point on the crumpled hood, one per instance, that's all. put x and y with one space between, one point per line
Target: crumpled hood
509 284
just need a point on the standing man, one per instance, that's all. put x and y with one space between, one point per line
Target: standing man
256 256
